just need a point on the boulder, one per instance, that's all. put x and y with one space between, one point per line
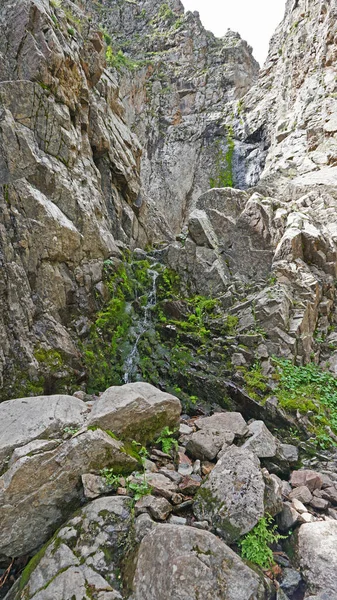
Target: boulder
176 562
77 560
214 433
38 492
288 517
305 477
158 507
273 493
317 555
261 442
232 498
136 411
26 419
301 493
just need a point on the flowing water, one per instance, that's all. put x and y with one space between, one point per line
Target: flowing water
142 326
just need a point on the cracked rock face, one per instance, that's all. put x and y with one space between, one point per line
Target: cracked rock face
69 175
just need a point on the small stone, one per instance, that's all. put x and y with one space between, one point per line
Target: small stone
172 475
207 467
80 395
305 477
177 499
185 429
290 581
149 465
286 489
288 518
94 486
183 506
174 520
306 518
143 525
121 491
326 481
332 513
299 506
161 485
319 503
197 467
201 524
159 508
189 485
330 494
301 493
287 453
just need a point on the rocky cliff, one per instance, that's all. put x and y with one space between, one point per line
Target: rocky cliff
168 223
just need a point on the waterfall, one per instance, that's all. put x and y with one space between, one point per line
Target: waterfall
142 326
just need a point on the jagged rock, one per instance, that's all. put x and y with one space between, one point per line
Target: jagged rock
27 419
288 517
287 453
291 580
273 493
136 411
262 442
184 562
158 508
143 525
95 485
38 492
232 498
310 479
77 559
67 195
207 443
317 555
301 493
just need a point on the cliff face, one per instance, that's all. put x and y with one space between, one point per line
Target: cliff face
182 90
69 175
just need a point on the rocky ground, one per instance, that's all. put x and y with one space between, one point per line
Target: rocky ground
121 496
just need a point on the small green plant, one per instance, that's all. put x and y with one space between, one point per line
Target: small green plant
56 3
224 163
70 430
139 489
255 546
167 440
110 477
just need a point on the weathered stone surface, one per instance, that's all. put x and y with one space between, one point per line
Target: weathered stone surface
27 419
186 563
39 492
232 498
301 493
317 543
69 174
261 442
305 477
273 493
158 508
94 486
207 443
136 411
288 517
78 560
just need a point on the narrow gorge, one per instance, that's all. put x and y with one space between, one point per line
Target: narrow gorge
168 321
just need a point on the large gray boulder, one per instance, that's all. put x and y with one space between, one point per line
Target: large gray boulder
39 491
317 554
176 562
26 419
136 411
232 498
77 563
215 432
261 442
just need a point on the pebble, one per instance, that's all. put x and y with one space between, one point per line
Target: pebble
174 520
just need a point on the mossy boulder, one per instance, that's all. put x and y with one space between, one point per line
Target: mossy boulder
136 411
232 498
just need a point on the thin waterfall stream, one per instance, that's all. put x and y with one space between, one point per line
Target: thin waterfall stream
142 326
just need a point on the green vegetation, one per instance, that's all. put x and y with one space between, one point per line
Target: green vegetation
255 546
119 60
165 13
224 163
110 477
309 388
256 382
167 441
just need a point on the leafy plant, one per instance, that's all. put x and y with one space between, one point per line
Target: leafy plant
255 545
167 440
71 430
139 489
110 477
